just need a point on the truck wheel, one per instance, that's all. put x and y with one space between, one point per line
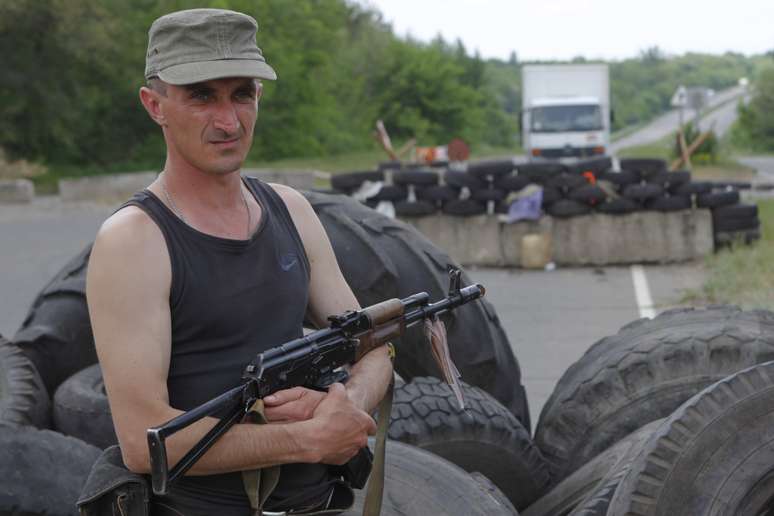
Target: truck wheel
512 182
643 373
645 166
643 192
418 482
23 397
714 455
81 408
463 180
575 490
42 472
56 334
485 437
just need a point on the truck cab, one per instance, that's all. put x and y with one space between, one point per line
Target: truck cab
565 111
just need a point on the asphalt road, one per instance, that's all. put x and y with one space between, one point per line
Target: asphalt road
551 317
668 122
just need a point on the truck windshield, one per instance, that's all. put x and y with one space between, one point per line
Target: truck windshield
559 119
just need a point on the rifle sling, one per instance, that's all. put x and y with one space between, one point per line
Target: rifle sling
372 505
259 483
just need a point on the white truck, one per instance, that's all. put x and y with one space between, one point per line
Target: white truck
565 110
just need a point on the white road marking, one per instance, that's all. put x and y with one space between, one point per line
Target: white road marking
642 292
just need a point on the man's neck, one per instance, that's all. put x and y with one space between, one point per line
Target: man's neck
190 184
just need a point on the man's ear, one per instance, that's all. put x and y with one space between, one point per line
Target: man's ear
151 101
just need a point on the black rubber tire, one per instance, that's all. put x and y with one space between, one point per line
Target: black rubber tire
512 182
645 166
490 169
724 239
735 211
596 166
734 185
390 193
588 194
81 409
551 195
438 194
717 199
426 177
56 333
464 208
713 455
670 203
383 258
694 188
567 182
489 194
484 437
620 206
540 173
622 178
643 373
643 192
492 489
42 472
349 181
415 208
463 180
565 208
676 178
738 224
419 482
24 399
576 489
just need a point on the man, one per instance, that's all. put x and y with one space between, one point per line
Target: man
202 270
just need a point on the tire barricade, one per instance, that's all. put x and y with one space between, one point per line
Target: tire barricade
569 190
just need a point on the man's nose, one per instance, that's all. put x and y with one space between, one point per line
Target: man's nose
225 117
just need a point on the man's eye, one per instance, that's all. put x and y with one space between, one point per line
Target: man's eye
200 95
245 95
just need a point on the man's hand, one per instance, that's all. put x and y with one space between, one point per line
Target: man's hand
291 405
339 429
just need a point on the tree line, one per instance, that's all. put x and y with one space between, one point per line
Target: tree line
72 68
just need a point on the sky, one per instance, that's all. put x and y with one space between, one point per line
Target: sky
602 29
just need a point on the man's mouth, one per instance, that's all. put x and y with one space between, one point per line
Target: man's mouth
225 143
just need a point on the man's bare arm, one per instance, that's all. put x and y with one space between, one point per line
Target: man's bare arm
329 294
128 286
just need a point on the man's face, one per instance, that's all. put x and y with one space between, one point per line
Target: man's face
210 124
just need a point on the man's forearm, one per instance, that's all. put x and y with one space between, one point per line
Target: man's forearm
369 379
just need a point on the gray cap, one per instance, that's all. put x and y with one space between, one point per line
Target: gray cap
198 45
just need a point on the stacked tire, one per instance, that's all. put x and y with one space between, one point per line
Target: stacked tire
663 417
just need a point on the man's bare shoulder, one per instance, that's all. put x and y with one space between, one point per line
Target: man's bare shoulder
129 226
295 201
130 239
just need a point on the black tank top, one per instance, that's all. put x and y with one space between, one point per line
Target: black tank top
229 300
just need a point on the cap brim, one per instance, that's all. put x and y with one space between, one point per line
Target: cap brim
190 73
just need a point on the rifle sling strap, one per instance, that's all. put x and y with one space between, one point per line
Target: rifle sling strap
259 483
372 505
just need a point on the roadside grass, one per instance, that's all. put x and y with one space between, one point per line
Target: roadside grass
742 275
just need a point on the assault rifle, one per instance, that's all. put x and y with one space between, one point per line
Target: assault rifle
312 361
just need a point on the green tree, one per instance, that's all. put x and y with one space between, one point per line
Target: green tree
755 125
